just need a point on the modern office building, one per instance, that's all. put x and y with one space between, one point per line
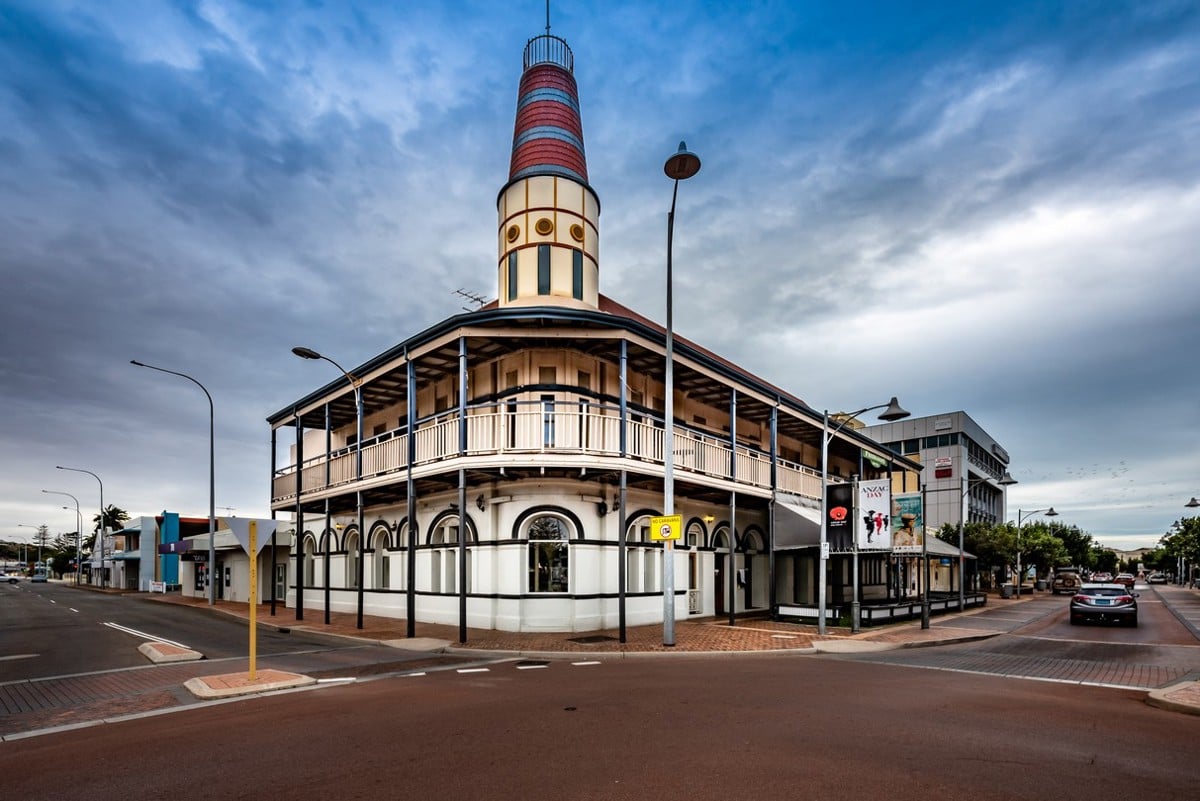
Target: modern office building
501 468
965 467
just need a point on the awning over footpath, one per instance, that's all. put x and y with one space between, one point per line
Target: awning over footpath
797 524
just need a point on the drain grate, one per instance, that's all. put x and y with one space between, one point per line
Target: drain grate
592 640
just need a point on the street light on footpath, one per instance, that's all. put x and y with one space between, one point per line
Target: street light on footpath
1192 504
38 529
891 413
1020 517
1005 480
78 531
309 353
679 167
103 577
212 483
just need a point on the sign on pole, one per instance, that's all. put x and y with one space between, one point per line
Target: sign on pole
247 529
667 528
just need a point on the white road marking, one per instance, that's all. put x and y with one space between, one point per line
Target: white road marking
412 675
17 656
474 670
531 667
582 664
144 635
73 609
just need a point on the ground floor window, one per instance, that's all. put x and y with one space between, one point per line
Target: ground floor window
549 554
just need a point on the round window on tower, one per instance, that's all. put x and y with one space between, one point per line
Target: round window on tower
544 226
577 232
513 232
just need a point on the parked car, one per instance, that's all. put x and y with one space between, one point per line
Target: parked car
1125 578
1156 578
11 578
1104 603
1066 581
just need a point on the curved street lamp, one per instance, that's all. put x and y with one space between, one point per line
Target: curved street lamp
309 353
212 483
1020 517
103 576
1005 480
682 165
78 532
891 413
38 529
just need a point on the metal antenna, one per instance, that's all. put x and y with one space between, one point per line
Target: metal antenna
474 297
547 17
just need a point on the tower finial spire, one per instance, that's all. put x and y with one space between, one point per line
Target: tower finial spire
547 17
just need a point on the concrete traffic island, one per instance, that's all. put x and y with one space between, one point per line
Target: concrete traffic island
231 684
1181 697
160 652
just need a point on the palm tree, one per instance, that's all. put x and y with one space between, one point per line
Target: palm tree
114 519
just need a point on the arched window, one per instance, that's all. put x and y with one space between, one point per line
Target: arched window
549 554
381 574
310 560
642 561
443 536
352 557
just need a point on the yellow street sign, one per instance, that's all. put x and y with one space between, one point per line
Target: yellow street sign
668 527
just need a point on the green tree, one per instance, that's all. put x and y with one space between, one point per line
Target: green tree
114 519
1183 540
1104 560
1078 544
979 540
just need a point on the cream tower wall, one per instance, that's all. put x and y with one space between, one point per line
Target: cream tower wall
554 211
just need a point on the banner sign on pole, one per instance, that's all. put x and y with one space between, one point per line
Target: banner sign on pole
839 527
908 523
872 524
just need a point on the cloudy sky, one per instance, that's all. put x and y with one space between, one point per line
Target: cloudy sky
992 207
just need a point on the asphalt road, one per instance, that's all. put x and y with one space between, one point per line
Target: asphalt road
54 629
1040 643
668 728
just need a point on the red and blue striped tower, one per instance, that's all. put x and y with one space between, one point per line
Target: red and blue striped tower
549 216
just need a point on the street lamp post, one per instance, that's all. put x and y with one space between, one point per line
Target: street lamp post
1192 504
78 531
309 353
103 577
38 529
891 413
679 167
1005 480
212 484
1021 516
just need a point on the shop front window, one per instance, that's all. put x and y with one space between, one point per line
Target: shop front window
549 554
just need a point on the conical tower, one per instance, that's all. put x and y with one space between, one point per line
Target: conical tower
549 218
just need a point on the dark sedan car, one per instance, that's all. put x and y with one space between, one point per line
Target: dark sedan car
1104 603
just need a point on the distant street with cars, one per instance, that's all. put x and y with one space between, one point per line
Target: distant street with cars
949 722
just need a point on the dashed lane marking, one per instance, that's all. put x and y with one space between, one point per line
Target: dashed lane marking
584 664
474 670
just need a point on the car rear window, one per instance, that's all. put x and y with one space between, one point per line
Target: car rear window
1106 591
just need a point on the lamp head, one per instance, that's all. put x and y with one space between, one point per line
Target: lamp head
683 164
306 353
1006 480
1192 504
1051 513
893 411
